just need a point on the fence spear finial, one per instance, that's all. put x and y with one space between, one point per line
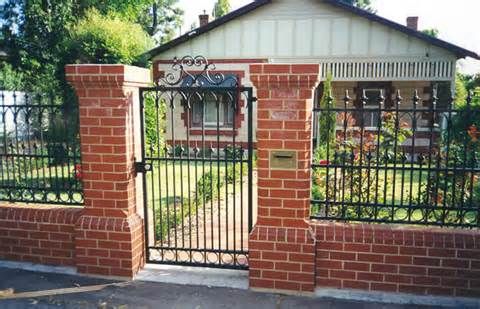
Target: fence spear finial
346 98
381 98
364 98
398 97
415 98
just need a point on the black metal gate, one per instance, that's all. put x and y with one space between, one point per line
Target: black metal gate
197 165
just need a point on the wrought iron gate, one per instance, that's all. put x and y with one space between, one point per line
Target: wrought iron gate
197 165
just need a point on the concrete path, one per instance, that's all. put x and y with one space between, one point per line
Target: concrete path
140 294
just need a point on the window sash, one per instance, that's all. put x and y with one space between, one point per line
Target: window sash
207 114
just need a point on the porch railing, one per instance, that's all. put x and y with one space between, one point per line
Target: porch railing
418 165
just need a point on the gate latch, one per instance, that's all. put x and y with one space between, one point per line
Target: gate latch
142 167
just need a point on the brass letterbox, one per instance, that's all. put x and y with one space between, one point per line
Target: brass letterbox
283 159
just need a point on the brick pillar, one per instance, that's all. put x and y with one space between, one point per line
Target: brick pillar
282 245
109 234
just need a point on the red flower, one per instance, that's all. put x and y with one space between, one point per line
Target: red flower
473 133
77 171
324 162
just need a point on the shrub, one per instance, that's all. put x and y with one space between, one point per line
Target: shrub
327 121
109 39
235 173
232 152
208 185
353 184
10 79
155 124
461 141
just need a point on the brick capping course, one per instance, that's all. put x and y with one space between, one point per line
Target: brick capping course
40 213
107 75
42 234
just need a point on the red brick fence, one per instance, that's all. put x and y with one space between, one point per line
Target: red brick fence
288 251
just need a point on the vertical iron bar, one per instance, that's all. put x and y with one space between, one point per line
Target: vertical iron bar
468 125
249 107
182 200
204 102
344 154
189 109
432 112
415 100
363 103
174 178
144 177
211 200
381 101
398 102
158 155
328 111
234 223
447 158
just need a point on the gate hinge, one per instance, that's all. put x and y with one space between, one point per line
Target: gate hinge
142 167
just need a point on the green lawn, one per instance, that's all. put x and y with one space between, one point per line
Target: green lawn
173 193
36 182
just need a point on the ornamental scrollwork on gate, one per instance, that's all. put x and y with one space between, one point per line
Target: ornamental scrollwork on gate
190 71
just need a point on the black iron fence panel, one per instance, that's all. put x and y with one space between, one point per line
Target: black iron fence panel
405 161
39 150
197 164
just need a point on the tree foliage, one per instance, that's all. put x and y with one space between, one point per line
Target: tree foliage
36 33
222 7
109 39
327 119
470 81
431 32
39 33
460 91
9 78
161 19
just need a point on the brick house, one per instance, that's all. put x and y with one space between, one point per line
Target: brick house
361 50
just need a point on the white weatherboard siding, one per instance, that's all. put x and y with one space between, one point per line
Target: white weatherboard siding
309 31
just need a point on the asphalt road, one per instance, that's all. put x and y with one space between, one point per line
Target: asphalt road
138 294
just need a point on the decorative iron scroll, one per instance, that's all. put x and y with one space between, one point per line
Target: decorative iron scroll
190 71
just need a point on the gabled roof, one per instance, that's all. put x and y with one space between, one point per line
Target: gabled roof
457 50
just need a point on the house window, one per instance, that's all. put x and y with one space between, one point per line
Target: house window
207 112
370 113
